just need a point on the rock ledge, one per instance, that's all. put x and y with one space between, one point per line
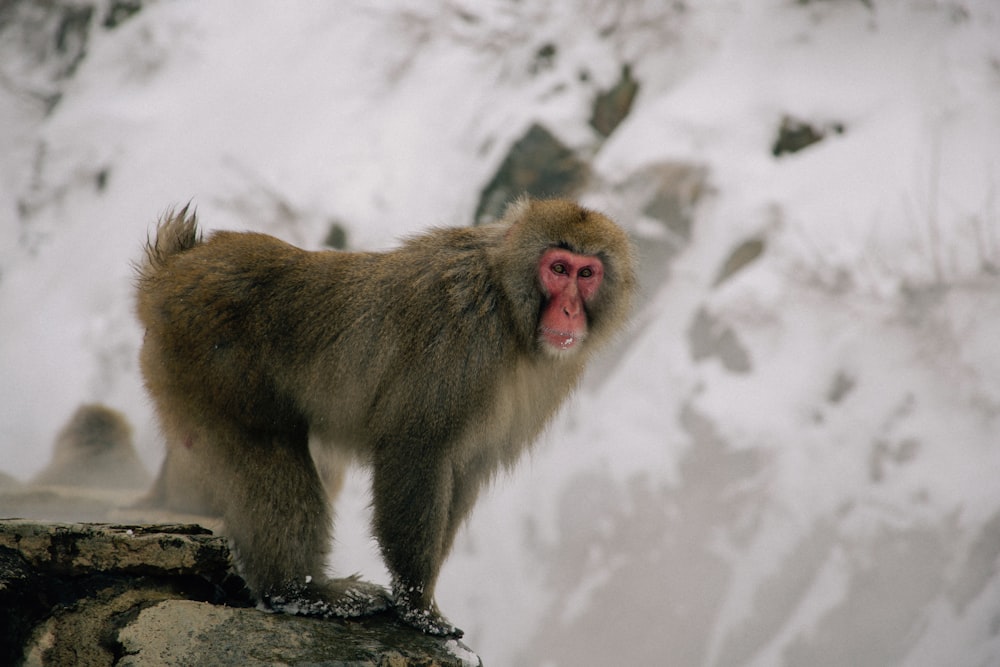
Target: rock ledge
109 594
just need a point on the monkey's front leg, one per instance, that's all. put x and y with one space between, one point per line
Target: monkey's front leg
412 506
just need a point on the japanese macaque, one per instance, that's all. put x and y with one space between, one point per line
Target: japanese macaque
436 364
94 449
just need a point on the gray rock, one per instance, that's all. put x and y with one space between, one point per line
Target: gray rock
709 337
612 106
539 165
223 636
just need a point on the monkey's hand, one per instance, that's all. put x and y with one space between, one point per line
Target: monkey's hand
345 598
424 617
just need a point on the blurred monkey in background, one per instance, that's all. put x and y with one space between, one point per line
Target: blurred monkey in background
94 449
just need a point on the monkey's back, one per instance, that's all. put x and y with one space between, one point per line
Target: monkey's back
357 345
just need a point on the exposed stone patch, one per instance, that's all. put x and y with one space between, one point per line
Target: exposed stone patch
538 164
795 134
710 337
611 107
745 253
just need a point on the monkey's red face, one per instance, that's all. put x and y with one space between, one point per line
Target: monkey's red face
569 281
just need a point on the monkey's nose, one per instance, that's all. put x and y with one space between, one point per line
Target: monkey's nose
571 308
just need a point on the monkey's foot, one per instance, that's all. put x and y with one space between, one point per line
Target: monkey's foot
424 618
345 598
429 621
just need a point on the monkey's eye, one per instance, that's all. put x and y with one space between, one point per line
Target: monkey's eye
559 268
586 272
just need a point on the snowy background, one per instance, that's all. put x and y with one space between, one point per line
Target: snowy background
793 462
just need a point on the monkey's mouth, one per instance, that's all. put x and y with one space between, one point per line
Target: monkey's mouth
560 340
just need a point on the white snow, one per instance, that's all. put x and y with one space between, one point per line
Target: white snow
676 512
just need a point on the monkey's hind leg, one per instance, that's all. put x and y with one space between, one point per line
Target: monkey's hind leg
276 513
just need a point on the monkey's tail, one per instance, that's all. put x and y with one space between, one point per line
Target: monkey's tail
176 232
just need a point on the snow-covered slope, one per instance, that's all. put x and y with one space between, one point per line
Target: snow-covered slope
796 465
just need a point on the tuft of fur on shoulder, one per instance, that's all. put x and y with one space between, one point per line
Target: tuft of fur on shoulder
176 232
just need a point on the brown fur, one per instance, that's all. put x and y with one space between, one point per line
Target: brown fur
423 361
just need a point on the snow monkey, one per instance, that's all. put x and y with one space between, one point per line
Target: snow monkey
436 364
